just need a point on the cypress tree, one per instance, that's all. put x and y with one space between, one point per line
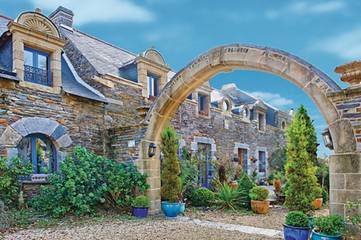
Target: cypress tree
171 185
302 185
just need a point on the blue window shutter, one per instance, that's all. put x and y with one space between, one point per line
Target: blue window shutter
156 85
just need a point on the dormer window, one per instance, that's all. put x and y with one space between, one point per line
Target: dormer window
153 86
226 106
37 67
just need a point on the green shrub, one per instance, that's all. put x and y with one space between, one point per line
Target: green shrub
330 225
141 202
297 219
324 196
9 183
171 184
202 197
258 193
229 198
302 185
85 181
245 184
189 174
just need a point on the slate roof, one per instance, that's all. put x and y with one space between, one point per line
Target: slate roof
74 85
104 57
238 96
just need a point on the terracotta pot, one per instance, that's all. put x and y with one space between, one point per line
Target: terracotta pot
233 184
317 203
277 185
260 207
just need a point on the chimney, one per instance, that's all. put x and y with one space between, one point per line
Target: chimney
350 72
63 16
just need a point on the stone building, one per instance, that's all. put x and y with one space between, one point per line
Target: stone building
60 87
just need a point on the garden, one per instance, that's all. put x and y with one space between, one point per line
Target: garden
98 194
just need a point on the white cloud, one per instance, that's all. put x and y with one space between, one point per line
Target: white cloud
274 99
346 46
305 8
88 11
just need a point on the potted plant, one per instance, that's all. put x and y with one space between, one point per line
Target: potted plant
259 203
328 228
171 183
317 203
140 206
277 182
296 226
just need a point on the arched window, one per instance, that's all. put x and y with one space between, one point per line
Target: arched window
283 124
226 106
40 152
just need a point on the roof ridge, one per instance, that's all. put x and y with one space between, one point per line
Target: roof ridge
6 17
100 40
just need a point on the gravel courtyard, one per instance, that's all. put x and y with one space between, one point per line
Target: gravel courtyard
158 227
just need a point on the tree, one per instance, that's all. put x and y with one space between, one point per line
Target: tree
310 134
171 184
302 185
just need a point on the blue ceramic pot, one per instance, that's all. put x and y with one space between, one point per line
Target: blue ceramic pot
320 236
171 209
295 233
140 212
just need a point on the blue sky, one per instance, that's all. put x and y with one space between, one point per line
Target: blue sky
324 33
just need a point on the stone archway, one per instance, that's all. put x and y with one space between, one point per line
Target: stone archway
14 133
317 85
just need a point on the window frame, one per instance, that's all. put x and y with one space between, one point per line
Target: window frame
33 154
153 85
203 109
35 54
262 163
261 121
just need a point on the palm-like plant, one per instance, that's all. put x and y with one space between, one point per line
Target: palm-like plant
229 198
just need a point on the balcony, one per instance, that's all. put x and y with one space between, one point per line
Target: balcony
37 75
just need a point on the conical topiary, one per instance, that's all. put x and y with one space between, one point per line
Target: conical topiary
302 185
171 184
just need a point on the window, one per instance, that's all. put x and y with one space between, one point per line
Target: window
153 86
262 162
37 67
202 104
242 159
283 125
39 151
246 113
261 122
205 166
190 96
226 106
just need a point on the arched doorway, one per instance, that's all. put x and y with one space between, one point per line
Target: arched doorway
312 81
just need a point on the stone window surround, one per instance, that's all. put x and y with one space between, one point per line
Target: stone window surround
26 126
206 140
21 37
261 149
237 146
258 121
208 104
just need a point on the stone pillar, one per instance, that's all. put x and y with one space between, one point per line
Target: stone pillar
345 180
151 167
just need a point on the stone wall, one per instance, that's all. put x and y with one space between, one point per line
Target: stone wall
83 119
227 130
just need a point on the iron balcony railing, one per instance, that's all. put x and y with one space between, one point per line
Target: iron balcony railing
37 75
